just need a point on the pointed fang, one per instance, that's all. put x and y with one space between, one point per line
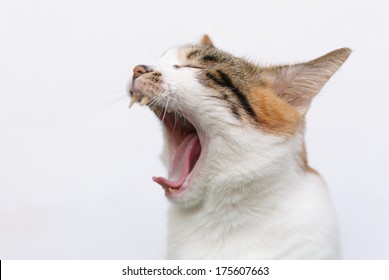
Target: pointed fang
132 102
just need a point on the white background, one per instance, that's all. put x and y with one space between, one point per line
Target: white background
76 164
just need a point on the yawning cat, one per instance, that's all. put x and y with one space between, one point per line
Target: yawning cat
239 181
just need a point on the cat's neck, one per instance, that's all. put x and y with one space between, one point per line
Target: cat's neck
262 186
233 199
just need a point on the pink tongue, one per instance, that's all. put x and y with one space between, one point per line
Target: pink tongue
184 160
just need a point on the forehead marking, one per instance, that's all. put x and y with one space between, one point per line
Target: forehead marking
192 54
210 58
225 81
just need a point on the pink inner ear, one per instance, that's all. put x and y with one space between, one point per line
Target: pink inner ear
206 41
302 103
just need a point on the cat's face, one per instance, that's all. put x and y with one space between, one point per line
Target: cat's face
227 121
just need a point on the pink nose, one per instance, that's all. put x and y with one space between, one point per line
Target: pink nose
139 70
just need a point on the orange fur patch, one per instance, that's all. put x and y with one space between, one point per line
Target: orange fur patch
274 114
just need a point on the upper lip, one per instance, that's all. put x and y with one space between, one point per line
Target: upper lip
152 103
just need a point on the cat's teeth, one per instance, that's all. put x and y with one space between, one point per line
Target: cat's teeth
172 190
132 102
144 101
169 110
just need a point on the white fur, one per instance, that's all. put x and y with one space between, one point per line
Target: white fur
248 197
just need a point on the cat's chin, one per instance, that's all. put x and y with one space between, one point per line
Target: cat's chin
184 150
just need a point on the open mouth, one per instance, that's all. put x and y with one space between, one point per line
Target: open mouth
184 148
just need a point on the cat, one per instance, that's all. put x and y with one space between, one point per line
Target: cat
239 182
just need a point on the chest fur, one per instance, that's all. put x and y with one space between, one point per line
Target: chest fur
282 221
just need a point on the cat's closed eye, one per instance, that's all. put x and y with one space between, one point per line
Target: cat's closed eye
187 66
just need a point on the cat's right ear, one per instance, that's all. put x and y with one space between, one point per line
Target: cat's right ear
298 84
206 41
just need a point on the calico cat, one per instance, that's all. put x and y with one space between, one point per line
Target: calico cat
239 180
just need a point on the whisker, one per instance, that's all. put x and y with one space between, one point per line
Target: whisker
223 16
175 117
114 92
116 100
149 49
164 114
160 113
155 100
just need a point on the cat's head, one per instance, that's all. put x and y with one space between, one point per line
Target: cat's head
228 121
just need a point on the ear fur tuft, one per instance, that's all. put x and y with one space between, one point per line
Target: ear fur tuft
299 83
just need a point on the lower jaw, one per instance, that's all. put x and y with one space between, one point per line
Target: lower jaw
192 180
176 192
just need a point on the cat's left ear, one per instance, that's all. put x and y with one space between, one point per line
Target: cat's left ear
299 83
206 41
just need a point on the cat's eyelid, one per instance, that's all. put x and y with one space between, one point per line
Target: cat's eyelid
187 66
